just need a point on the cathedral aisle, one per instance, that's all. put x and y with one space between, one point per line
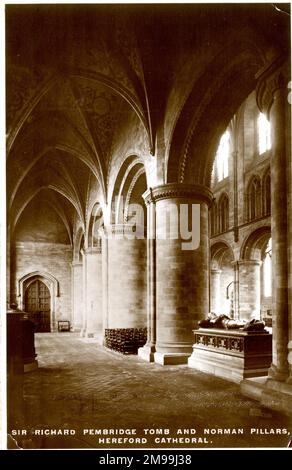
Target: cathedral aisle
81 388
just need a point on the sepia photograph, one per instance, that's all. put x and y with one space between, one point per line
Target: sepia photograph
149 227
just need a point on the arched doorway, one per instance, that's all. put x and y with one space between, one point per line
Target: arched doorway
38 305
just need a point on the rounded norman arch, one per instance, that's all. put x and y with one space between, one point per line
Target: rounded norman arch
130 184
254 243
216 96
218 250
95 222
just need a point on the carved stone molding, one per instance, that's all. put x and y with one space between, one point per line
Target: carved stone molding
93 250
193 193
241 342
220 342
273 77
122 229
77 264
247 262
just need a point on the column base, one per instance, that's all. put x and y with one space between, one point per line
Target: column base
100 339
94 335
166 359
30 366
76 329
278 375
89 334
270 393
147 353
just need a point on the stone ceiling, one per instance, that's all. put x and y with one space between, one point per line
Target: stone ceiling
82 81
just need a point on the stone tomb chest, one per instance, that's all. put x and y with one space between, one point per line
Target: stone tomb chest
232 354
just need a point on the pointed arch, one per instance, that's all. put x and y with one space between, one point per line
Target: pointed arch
128 175
267 192
254 198
51 283
223 209
254 243
78 244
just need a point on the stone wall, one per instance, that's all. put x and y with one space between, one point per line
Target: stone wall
54 259
126 283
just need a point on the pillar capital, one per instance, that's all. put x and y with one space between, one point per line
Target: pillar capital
273 77
188 192
92 250
124 230
76 264
248 262
215 271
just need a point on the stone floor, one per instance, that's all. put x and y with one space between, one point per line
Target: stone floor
80 386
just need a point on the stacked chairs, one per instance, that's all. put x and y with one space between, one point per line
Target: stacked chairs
125 340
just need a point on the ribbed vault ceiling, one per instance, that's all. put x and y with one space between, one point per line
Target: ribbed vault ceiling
79 76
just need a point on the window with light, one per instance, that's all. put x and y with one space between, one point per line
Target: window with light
264 134
221 160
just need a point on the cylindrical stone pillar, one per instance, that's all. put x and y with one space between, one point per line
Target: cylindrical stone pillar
279 368
182 263
77 295
84 281
272 97
215 276
104 279
93 273
249 298
126 277
289 189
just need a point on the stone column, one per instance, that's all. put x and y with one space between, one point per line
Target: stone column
236 289
178 267
215 275
8 269
249 297
77 295
93 293
289 189
272 97
127 281
84 289
147 352
105 280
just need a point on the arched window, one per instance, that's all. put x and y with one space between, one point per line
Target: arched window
267 270
220 168
267 194
264 134
223 213
213 216
254 199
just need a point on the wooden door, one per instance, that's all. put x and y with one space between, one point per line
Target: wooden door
38 305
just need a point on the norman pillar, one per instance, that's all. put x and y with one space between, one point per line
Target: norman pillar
93 298
126 277
215 276
147 352
178 267
272 98
77 295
